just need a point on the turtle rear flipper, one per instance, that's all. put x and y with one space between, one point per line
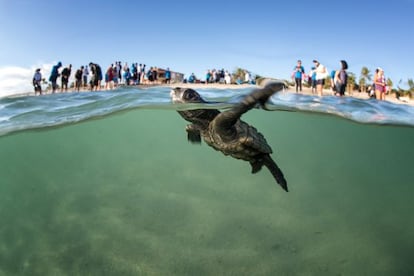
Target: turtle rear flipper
256 166
193 134
227 119
275 171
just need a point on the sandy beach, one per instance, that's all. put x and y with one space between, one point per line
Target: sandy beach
291 89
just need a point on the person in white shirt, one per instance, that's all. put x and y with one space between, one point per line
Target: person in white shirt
37 79
321 74
227 77
247 77
85 75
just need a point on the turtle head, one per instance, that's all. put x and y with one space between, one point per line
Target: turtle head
199 116
185 95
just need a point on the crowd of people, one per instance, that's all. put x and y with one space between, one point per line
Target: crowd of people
222 76
91 76
318 74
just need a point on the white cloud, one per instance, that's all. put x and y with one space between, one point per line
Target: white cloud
18 80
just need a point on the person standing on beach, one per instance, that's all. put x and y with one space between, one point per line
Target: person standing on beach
37 79
134 73
149 75
96 76
298 71
118 66
65 77
109 78
168 76
247 77
208 76
320 76
127 75
332 81
312 75
125 68
341 79
115 75
54 75
155 75
85 75
142 79
78 78
227 77
139 80
380 84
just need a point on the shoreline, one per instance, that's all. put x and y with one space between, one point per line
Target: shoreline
290 89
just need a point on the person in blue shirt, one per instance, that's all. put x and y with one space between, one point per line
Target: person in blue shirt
333 87
192 78
168 75
54 75
298 71
313 80
134 73
127 76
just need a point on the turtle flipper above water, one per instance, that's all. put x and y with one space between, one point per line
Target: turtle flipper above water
258 96
225 131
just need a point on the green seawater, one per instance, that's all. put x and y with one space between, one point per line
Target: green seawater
128 195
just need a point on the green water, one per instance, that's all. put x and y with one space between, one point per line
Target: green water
128 195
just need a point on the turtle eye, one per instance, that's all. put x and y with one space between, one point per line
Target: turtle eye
190 94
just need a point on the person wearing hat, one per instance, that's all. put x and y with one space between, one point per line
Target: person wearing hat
37 78
341 79
321 74
379 83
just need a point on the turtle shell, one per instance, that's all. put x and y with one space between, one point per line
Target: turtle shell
242 142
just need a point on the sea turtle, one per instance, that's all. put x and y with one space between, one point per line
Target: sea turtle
225 132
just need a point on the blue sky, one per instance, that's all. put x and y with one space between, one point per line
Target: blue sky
266 37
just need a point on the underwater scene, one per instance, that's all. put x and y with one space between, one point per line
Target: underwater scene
107 184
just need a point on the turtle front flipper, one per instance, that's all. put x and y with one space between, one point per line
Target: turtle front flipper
227 119
193 134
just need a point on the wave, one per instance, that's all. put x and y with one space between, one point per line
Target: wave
368 111
23 113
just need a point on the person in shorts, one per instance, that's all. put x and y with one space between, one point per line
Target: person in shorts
298 72
380 84
65 77
37 79
54 75
341 79
321 74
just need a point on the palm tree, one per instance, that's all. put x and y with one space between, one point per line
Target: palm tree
365 76
362 84
390 84
238 74
410 83
351 82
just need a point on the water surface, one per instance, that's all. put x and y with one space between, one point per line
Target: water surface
128 195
